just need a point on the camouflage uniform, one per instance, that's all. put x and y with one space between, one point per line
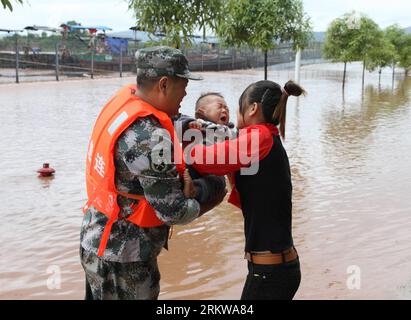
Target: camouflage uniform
128 269
163 61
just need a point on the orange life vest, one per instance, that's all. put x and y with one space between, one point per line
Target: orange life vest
118 114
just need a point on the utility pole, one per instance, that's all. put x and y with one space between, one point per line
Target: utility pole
297 75
121 59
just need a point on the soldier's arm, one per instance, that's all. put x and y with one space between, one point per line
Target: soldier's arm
160 181
182 122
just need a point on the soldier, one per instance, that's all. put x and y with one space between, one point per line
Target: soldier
134 192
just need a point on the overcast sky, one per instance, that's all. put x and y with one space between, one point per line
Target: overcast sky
115 14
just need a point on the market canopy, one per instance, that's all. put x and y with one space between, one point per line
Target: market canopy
8 30
92 29
41 28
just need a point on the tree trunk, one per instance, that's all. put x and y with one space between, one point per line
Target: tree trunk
297 66
379 77
393 72
265 64
232 58
218 57
345 73
202 49
204 34
202 57
363 73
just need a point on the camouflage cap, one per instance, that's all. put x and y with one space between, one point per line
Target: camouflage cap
163 61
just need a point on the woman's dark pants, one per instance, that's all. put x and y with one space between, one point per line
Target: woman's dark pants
272 282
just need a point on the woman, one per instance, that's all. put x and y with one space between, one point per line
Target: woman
265 196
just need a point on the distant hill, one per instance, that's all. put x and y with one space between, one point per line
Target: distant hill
143 36
320 36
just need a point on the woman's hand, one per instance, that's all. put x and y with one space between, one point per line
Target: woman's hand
195 125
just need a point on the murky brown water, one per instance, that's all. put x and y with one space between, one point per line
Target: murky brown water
352 186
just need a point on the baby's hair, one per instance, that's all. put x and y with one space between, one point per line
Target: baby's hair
203 95
198 115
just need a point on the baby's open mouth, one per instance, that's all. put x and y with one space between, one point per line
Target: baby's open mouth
224 118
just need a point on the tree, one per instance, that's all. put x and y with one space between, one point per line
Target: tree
7 4
73 23
262 24
208 14
395 35
402 46
351 38
337 40
366 40
176 19
405 53
382 55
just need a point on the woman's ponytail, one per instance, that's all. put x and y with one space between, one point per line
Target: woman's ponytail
280 111
273 100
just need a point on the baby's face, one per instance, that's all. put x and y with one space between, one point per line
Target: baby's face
215 109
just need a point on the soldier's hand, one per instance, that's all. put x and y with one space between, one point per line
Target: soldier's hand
189 190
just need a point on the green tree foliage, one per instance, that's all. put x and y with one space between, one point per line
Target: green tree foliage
208 14
262 24
73 23
382 55
47 42
349 38
405 53
7 4
338 39
366 41
394 35
176 19
402 44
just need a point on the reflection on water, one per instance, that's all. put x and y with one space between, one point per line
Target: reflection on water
349 160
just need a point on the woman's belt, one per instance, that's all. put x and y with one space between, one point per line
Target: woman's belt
272 258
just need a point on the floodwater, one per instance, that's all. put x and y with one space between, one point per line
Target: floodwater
349 157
